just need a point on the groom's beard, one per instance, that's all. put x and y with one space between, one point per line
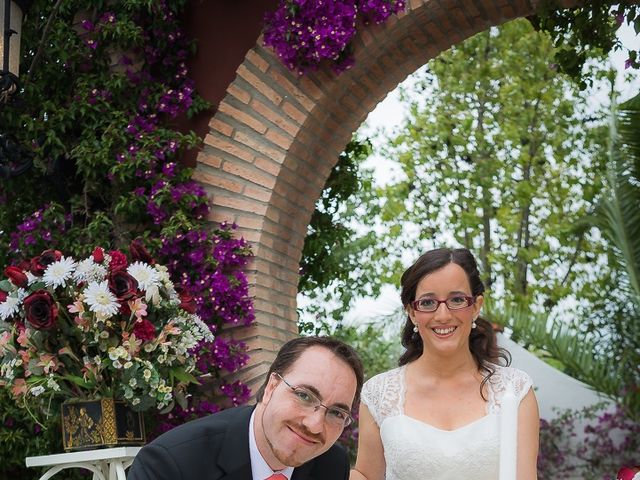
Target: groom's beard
299 456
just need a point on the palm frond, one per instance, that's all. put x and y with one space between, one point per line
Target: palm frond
629 132
581 355
619 209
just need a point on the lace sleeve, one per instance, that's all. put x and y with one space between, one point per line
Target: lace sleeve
383 394
520 382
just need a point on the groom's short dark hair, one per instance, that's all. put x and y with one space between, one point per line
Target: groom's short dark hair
291 351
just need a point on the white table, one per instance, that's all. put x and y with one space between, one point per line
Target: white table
106 463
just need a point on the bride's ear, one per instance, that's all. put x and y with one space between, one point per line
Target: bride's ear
410 313
478 306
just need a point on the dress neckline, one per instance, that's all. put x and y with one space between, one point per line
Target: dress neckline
402 399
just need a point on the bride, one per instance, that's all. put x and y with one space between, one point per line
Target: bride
437 415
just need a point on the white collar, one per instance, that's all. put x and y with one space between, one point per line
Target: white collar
259 468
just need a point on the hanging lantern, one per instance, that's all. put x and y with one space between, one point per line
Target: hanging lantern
13 159
11 13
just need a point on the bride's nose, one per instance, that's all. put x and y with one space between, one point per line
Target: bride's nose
442 312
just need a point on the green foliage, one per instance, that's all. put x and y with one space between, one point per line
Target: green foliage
103 83
500 155
588 29
333 253
580 356
20 437
85 83
618 218
608 356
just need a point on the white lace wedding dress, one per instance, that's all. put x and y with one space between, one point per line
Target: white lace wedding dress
414 450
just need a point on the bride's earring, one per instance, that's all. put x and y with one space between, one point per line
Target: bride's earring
415 328
474 324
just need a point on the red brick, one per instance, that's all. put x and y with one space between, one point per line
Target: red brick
257 60
295 92
460 18
236 91
293 112
251 222
208 159
259 146
365 35
310 87
217 181
261 194
507 11
240 204
471 8
491 9
267 165
252 236
248 173
218 216
259 85
228 146
279 120
358 91
282 141
219 126
243 117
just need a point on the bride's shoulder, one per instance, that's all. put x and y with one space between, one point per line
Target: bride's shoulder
382 393
385 377
518 380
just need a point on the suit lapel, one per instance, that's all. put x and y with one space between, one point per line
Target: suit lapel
304 472
234 458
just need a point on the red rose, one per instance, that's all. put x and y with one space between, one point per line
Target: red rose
139 253
49 256
628 473
39 264
17 276
187 302
98 255
3 296
36 267
24 265
144 330
41 310
118 261
123 285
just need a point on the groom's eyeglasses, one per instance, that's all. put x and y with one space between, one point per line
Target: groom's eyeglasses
306 399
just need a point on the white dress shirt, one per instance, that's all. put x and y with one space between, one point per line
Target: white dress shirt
259 468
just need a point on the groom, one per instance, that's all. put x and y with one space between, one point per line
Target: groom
301 410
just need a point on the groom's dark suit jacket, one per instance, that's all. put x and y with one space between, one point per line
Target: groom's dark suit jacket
217 448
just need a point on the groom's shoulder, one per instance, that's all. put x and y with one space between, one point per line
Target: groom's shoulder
334 463
202 428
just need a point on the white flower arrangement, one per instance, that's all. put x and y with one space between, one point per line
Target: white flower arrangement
98 327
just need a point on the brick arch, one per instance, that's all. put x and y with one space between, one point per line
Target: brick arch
276 136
